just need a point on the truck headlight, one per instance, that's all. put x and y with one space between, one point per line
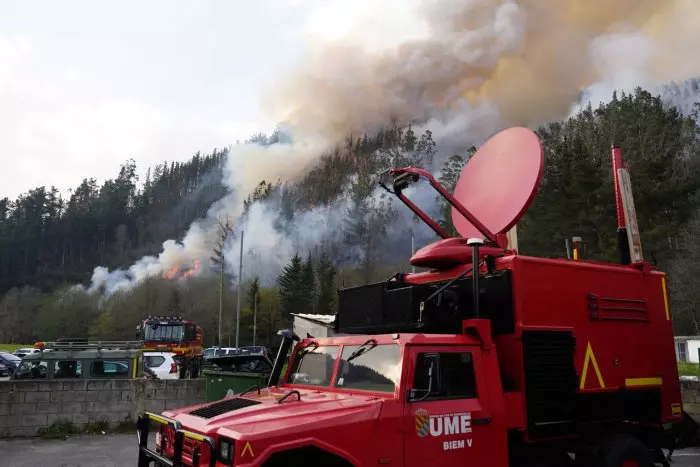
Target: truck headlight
226 450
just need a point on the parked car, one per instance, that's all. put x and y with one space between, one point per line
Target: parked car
254 349
76 360
23 351
219 351
4 371
162 364
210 352
9 361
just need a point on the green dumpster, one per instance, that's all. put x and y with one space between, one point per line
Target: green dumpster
233 374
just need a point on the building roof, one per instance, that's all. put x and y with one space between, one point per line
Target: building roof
686 338
321 319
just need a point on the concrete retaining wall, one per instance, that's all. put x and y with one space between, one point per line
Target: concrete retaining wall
27 406
691 398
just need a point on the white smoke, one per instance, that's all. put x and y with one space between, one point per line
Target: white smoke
267 248
464 69
278 161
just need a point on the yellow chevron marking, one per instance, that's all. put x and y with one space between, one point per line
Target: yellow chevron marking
247 448
590 357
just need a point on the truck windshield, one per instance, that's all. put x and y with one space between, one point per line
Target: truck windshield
377 369
313 366
163 332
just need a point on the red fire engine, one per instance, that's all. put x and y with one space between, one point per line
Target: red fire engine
173 334
488 359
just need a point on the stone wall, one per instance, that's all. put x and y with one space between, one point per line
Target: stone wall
690 390
28 406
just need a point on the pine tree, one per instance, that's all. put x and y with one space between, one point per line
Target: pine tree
427 148
409 140
325 273
308 284
291 287
253 293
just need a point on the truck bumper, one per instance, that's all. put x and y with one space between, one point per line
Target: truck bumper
147 455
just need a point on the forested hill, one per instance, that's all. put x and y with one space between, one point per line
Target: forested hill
48 243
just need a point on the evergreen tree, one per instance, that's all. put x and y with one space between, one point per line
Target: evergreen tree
291 287
427 148
409 140
325 272
253 296
308 284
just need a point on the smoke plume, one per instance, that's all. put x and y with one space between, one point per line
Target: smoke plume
521 62
462 68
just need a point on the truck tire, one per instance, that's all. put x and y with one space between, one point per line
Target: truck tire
624 451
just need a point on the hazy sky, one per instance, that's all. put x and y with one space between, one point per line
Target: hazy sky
85 85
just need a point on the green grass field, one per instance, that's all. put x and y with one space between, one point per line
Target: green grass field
13 347
688 369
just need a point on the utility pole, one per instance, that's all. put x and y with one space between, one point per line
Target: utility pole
221 296
240 279
255 315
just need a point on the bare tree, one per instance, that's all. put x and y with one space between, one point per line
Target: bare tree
224 231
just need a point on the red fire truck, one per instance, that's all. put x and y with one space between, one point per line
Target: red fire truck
173 334
487 359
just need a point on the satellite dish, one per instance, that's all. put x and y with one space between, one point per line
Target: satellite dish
499 182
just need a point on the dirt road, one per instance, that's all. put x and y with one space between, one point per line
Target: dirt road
120 451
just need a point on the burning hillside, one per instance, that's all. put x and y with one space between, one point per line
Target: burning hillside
182 271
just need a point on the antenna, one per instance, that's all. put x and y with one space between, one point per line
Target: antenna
499 182
240 278
493 192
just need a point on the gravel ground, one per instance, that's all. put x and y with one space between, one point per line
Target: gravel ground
120 451
79 451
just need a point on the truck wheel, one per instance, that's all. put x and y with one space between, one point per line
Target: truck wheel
624 451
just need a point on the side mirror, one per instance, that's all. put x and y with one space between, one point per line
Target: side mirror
288 339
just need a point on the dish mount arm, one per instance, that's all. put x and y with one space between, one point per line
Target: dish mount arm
401 178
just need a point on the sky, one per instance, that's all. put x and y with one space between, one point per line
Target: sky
85 85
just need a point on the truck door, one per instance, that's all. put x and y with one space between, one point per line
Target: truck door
446 415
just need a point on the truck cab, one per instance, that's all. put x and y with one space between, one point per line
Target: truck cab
392 399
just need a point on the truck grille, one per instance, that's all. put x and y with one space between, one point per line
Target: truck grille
550 382
221 407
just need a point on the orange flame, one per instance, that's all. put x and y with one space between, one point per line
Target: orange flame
181 272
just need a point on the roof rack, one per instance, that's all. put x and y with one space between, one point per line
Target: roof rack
88 345
166 318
